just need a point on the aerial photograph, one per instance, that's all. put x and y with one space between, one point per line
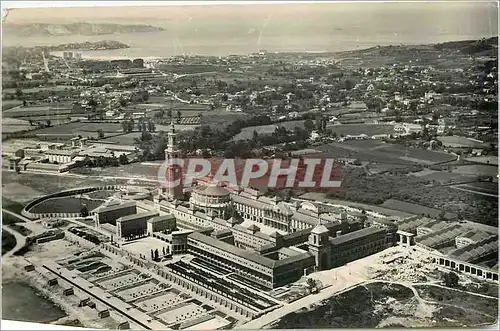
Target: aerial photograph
250 166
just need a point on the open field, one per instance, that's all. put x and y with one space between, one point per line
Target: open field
443 177
459 299
476 169
366 306
38 89
483 159
14 125
134 170
219 119
378 209
81 128
37 111
391 155
456 141
8 104
482 187
414 208
247 133
46 184
18 192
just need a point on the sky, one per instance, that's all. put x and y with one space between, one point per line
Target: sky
445 11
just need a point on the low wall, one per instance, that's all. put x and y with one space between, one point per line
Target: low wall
26 213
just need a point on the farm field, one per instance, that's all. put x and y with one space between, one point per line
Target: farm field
483 187
476 169
123 139
38 89
69 130
247 133
483 159
456 141
377 151
38 111
356 129
7 104
493 160
10 125
444 177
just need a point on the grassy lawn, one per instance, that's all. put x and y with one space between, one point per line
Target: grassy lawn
65 205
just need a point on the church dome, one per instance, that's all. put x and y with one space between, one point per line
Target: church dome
215 191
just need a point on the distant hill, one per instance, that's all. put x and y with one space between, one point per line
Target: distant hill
447 54
85 29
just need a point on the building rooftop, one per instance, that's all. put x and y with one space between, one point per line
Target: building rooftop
439 237
355 235
161 218
319 229
64 152
127 218
104 209
248 255
477 250
212 190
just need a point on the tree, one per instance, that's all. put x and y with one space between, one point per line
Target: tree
441 215
130 125
309 125
311 285
451 279
122 159
125 126
18 93
100 134
84 211
151 126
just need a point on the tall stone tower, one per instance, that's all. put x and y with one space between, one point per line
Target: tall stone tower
174 171
320 247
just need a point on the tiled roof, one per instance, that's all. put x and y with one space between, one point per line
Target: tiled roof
439 237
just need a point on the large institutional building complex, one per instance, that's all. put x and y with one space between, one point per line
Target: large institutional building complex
269 242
